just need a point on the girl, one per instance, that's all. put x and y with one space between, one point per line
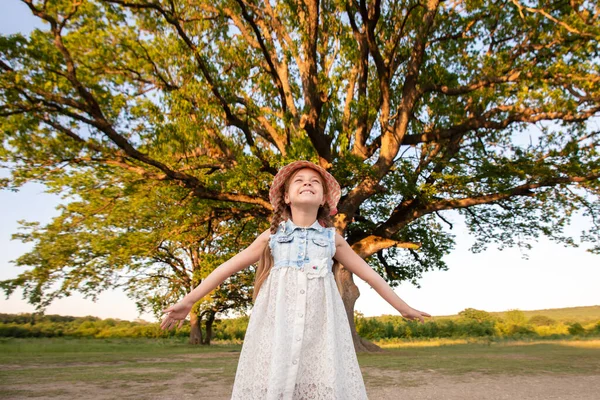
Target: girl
298 344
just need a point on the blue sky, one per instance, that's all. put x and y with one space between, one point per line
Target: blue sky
552 277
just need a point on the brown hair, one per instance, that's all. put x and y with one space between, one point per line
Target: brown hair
281 212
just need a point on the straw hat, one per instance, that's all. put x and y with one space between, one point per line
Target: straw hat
333 187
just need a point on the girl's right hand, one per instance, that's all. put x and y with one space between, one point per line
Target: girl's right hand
412 314
175 313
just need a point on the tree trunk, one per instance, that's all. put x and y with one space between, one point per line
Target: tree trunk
195 329
209 322
349 294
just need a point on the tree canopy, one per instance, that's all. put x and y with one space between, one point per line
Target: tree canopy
488 108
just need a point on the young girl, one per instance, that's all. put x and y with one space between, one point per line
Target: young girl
298 344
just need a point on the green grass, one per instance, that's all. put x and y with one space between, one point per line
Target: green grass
13 350
516 358
28 366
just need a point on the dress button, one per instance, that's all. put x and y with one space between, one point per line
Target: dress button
302 291
300 315
298 338
295 362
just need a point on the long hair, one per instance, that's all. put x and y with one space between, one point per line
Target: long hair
281 212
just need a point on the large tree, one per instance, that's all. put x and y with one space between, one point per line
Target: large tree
418 108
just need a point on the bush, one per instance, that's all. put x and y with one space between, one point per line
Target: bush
472 323
595 330
515 317
576 329
552 330
541 320
475 315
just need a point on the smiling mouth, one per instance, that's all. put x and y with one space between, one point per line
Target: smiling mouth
307 191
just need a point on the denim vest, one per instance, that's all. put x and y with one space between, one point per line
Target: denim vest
295 246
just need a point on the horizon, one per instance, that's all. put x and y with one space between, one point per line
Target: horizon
371 316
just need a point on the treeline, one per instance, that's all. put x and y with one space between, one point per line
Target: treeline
469 323
35 325
473 323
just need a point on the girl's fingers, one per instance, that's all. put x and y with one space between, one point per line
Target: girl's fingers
167 323
164 325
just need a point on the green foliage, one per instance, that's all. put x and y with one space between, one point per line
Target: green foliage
514 317
376 328
475 315
541 320
233 330
576 329
57 326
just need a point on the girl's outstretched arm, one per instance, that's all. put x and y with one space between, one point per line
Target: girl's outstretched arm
355 264
243 259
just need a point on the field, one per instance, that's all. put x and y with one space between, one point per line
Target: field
170 369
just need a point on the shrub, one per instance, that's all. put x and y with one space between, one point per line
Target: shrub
515 317
576 329
551 330
475 315
541 320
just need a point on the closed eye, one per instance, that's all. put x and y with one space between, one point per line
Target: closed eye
313 181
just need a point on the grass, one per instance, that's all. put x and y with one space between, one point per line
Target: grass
396 343
29 366
505 358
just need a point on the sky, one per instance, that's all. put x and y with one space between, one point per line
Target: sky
552 277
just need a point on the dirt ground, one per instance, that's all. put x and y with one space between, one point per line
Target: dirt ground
432 385
411 385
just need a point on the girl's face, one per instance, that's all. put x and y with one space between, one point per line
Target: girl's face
305 187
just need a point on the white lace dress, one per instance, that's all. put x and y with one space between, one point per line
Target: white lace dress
298 343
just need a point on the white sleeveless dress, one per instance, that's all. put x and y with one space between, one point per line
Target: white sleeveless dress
298 344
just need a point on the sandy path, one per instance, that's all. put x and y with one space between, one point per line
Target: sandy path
398 385
432 385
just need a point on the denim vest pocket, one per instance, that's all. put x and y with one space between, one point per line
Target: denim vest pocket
285 238
320 242
285 247
320 249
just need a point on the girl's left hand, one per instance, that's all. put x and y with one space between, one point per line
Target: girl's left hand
413 314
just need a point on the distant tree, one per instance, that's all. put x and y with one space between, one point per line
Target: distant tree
541 320
514 317
418 108
476 315
142 239
576 329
